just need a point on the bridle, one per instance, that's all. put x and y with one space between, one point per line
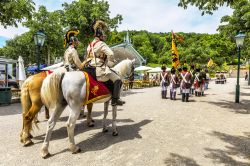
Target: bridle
132 70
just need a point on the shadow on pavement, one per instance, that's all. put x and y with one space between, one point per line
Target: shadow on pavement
94 114
241 94
242 108
238 147
81 127
11 109
100 140
129 92
177 160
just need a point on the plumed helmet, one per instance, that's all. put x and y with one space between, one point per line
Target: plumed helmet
192 66
173 70
70 37
99 27
184 67
163 67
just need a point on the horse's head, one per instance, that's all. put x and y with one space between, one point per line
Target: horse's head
125 67
131 67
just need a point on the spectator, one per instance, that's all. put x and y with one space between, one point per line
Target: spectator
131 81
246 76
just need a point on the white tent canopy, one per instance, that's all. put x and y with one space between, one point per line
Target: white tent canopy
53 67
21 70
157 70
143 68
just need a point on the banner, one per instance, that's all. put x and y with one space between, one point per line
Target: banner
175 54
210 63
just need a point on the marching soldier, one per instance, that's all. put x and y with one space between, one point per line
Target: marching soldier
71 58
180 78
185 84
192 72
101 57
164 78
173 84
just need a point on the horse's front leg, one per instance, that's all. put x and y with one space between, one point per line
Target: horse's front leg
57 111
114 114
74 114
104 122
90 121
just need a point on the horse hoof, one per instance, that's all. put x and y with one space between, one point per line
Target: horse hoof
115 133
77 151
28 143
45 156
30 136
91 125
104 130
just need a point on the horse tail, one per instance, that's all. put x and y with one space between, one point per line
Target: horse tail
51 88
25 99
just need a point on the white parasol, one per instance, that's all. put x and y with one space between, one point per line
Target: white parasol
21 71
53 67
143 68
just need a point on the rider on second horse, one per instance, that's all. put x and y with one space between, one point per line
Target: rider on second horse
71 58
101 57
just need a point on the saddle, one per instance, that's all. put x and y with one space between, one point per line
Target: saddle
95 90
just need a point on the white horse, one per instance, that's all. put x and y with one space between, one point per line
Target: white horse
59 90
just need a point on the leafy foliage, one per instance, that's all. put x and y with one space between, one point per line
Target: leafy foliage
13 11
239 21
208 6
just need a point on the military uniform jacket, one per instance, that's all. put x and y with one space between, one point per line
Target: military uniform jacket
99 55
186 80
71 58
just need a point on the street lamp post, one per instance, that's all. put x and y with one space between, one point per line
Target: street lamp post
249 71
39 38
239 42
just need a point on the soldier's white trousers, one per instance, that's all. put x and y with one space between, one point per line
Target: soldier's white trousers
110 76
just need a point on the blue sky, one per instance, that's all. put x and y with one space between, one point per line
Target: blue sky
150 15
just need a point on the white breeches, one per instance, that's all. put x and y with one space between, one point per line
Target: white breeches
111 76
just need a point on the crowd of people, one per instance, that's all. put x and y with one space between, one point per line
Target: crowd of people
192 81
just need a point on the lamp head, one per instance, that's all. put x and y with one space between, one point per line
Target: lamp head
240 39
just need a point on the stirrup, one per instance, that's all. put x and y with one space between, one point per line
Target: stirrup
116 102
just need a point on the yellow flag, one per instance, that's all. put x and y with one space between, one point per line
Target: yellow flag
175 54
210 63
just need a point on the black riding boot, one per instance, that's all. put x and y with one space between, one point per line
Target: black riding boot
116 93
162 94
187 96
183 97
165 94
174 95
171 95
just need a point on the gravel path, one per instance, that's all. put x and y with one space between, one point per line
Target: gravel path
210 130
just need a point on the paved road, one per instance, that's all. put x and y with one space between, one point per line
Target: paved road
210 130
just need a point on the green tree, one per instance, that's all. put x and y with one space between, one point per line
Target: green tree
13 11
82 13
20 46
50 22
208 6
239 21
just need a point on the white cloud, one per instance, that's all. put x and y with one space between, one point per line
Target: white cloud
162 16
150 15
11 32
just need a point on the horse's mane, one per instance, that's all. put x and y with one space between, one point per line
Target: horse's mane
122 67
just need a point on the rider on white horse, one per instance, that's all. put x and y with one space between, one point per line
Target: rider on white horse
71 58
100 56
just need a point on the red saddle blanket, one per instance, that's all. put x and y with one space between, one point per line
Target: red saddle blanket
95 90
